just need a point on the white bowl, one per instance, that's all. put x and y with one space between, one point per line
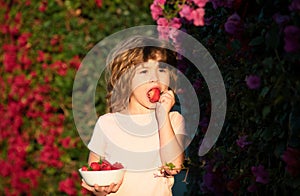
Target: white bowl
102 178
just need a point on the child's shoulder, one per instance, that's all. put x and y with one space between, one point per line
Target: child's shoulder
105 117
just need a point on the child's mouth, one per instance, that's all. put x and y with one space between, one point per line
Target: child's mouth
153 95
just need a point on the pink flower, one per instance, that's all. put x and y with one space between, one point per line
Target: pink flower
98 3
10 57
75 62
60 67
25 61
6 168
66 142
295 5
242 142
175 23
4 28
50 155
292 159
281 19
43 6
68 186
54 40
186 12
160 2
14 30
234 25
41 56
163 22
18 17
291 38
156 11
200 3
162 28
261 175
253 81
222 3
198 16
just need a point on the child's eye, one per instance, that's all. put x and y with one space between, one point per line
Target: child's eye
162 70
143 71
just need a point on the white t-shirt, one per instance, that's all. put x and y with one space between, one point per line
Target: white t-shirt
133 140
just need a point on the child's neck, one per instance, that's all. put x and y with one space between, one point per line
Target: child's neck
136 110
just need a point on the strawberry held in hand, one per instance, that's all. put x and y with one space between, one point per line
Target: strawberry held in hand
154 95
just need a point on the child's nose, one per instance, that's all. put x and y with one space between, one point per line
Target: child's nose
154 76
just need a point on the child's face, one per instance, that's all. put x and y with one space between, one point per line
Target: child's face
149 75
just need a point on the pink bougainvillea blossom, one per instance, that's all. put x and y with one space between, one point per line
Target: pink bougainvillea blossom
281 19
160 2
292 159
295 5
43 6
10 57
75 62
198 16
50 156
186 12
234 25
23 39
25 61
66 142
68 186
242 141
60 67
222 3
253 81
98 3
41 56
18 18
260 173
291 38
163 22
200 3
175 23
156 11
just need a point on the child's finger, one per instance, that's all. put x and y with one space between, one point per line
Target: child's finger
117 186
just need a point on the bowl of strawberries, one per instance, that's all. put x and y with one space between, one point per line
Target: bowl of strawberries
102 173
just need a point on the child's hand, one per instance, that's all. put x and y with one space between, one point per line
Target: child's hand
167 100
102 190
163 107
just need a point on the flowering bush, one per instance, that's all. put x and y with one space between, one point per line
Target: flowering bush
42 44
256 45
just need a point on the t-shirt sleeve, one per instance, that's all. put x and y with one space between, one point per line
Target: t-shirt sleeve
97 141
178 124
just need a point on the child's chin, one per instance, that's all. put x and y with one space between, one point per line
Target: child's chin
152 106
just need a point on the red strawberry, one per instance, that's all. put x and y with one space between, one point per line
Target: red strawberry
84 168
95 166
105 165
117 165
154 95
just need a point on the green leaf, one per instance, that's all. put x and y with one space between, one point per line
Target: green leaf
266 111
264 91
272 39
256 41
294 126
279 149
170 165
